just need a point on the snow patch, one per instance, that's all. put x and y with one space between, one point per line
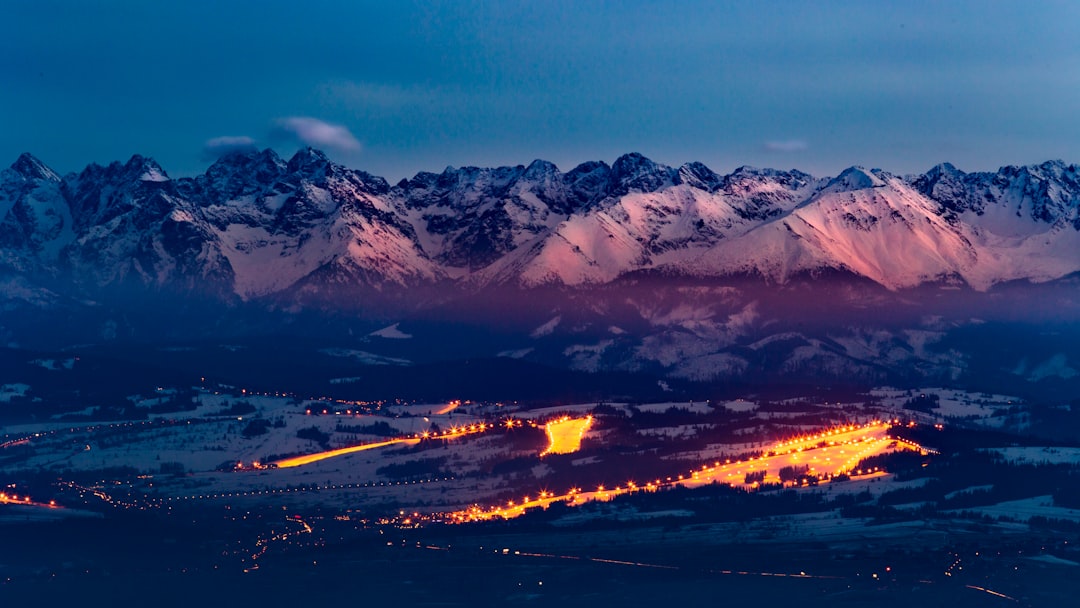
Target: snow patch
392 333
1054 367
586 357
11 391
349 380
153 174
55 364
515 353
547 328
364 357
739 405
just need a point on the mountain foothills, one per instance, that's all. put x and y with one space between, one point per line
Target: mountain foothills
636 265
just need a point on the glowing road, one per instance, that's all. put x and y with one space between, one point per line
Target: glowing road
449 407
316 457
453 433
15 499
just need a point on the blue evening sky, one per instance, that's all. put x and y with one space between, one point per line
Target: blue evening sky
395 87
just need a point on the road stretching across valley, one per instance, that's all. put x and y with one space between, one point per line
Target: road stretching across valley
453 433
15 499
310 458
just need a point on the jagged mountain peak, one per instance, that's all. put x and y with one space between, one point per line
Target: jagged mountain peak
423 179
855 178
699 176
943 183
540 169
587 182
1047 169
748 173
147 169
309 161
237 174
635 171
630 160
942 169
137 168
482 176
30 167
750 170
263 225
764 193
240 160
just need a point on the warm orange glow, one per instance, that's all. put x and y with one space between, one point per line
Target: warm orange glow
451 433
449 407
850 444
565 434
310 458
11 499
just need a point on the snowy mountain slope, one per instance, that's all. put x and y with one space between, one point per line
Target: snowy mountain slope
133 228
255 225
881 227
658 216
1025 221
470 217
305 220
35 222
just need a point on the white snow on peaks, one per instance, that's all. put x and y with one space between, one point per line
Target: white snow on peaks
584 249
256 257
640 230
884 231
265 260
180 215
153 174
854 178
391 332
268 226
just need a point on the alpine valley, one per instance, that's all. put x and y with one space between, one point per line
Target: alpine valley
630 271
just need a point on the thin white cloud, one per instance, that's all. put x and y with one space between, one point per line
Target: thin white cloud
317 134
220 146
789 145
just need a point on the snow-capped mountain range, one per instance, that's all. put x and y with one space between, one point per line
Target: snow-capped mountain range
254 226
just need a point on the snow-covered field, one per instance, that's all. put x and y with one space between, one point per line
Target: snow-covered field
1039 455
1024 509
982 409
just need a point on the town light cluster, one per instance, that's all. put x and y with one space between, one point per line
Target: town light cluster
819 456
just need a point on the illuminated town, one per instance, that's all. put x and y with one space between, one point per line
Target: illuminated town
291 472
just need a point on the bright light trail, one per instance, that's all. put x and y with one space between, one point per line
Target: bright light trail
310 458
453 433
449 407
15 499
991 592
